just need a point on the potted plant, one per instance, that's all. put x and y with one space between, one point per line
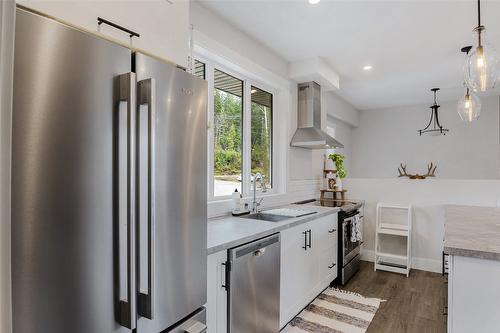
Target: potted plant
338 160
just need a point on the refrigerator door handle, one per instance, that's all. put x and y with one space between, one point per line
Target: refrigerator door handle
146 179
126 315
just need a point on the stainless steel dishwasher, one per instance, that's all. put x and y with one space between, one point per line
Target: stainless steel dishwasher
254 286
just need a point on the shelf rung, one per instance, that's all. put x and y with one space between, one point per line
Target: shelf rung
391 268
393 232
384 205
390 255
394 226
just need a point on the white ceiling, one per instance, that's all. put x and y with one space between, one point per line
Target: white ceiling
412 45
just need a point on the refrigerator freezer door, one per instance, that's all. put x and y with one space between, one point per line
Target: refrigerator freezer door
180 197
72 222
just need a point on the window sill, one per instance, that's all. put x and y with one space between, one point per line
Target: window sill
228 198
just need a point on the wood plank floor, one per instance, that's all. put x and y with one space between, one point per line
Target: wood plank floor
413 305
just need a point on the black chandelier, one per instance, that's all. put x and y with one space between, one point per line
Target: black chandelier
434 127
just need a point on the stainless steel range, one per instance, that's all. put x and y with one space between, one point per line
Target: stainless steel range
349 247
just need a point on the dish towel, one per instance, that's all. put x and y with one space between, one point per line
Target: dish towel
356 234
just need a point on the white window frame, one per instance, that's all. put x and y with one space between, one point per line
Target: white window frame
210 66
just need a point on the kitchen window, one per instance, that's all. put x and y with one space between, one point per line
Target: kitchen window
261 142
228 134
199 69
241 131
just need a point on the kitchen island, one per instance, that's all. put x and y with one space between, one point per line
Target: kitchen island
472 241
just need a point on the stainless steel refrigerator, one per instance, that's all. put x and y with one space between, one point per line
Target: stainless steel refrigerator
108 186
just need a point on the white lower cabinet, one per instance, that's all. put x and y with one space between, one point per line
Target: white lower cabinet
216 293
298 271
473 295
308 264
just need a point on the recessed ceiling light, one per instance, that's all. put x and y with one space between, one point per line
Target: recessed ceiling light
367 67
313 2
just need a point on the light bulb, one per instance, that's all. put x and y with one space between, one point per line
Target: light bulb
469 107
481 69
480 57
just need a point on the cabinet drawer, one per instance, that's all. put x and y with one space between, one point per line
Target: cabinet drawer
325 232
328 266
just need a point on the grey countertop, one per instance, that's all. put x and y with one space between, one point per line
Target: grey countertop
229 231
472 232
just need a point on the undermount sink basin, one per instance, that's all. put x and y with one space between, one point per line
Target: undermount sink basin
266 217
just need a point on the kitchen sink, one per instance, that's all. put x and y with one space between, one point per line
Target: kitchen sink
266 217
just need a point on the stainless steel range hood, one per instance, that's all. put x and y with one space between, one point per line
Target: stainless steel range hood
309 134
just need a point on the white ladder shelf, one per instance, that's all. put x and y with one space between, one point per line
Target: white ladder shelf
386 261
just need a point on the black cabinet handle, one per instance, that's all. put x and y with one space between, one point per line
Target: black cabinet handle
227 269
224 285
333 265
332 231
131 33
305 240
310 238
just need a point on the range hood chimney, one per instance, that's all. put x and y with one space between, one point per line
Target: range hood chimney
309 134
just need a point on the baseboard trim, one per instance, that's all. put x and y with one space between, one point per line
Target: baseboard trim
423 264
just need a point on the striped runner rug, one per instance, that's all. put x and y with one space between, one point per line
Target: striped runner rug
335 311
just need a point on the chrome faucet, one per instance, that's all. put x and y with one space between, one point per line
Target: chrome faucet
255 204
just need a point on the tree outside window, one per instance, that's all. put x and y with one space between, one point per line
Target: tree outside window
261 133
228 116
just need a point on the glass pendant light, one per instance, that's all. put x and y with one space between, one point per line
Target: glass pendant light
469 106
434 128
481 69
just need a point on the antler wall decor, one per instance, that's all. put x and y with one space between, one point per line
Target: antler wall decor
431 169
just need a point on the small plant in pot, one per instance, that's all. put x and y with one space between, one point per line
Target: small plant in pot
338 160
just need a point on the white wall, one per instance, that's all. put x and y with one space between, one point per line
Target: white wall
428 198
7 11
338 108
343 133
214 26
386 138
467 173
